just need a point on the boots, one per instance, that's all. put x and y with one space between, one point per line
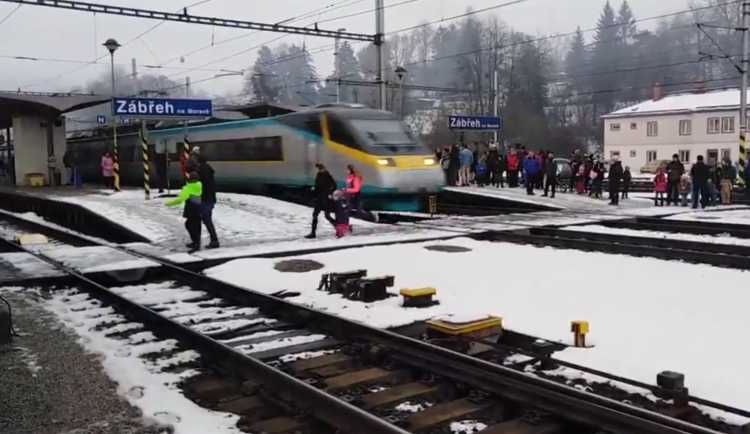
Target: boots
311 235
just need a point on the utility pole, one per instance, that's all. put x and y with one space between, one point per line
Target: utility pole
185 141
336 68
743 87
143 136
381 55
495 101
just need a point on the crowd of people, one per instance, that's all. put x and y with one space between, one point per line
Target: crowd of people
464 165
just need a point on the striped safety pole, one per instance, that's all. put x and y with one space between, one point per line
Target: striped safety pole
115 156
146 165
186 154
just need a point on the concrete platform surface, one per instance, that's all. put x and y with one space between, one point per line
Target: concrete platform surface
51 386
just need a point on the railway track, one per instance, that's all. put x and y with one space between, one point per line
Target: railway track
287 368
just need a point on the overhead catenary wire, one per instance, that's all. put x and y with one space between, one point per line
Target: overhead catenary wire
322 49
10 14
95 61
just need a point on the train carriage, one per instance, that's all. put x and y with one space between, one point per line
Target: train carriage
281 151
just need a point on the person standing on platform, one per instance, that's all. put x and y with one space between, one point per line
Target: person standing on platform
205 172
550 170
108 170
531 169
191 197
325 185
68 163
616 174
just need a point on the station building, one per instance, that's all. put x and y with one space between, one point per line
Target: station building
700 122
35 136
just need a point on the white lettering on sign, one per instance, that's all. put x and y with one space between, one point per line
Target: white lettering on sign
130 107
469 123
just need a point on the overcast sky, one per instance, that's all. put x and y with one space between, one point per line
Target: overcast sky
74 38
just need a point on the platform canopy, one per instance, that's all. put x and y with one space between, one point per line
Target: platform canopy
14 104
258 110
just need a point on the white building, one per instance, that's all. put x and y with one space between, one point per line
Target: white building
702 122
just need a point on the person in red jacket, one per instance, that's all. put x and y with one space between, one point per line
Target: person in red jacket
660 187
513 167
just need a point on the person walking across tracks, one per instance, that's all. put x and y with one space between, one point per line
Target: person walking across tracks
204 170
325 185
191 197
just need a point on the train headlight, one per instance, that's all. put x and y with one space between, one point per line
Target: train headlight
386 162
429 161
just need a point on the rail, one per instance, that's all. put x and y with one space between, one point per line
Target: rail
573 404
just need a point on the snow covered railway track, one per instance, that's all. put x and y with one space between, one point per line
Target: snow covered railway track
342 385
11 227
668 249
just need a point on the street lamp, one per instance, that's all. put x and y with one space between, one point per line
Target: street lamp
112 45
401 73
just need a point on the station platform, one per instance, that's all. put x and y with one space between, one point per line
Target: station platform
247 226
561 201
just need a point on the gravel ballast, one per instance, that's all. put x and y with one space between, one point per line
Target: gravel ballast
51 386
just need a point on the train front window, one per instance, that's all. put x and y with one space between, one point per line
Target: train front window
384 132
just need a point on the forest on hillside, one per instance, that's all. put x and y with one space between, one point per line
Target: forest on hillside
552 88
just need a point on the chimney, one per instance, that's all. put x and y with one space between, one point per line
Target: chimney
657 93
699 87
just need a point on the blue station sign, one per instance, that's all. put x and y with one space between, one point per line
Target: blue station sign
162 107
473 123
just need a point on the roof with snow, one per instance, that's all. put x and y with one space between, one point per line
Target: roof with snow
691 102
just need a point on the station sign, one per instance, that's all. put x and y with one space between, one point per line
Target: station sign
473 123
162 108
101 120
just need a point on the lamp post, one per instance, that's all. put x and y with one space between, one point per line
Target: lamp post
112 45
401 73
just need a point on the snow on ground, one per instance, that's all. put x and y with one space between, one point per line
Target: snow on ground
724 239
732 214
141 382
665 307
235 216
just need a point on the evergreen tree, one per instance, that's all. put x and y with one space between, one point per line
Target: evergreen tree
262 82
626 48
297 76
604 64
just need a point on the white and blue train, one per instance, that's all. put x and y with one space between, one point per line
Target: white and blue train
281 151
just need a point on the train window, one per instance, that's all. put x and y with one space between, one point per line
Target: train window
250 149
384 131
313 126
340 133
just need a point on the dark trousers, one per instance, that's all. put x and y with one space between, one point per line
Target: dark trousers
673 193
193 227
550 183
530 184
513 178
496 178
207 216
614 193
702 191
625 190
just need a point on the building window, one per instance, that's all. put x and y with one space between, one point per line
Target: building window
632 154
684 156
727 124
613 154
633 126
713 126
650 156
614 127
685 127
712 155
726 154
652 129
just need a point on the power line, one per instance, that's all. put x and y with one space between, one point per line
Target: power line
190 19
88 62
10 14
255 47
65 74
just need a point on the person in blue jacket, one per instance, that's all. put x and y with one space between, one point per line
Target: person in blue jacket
532 167
466 159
